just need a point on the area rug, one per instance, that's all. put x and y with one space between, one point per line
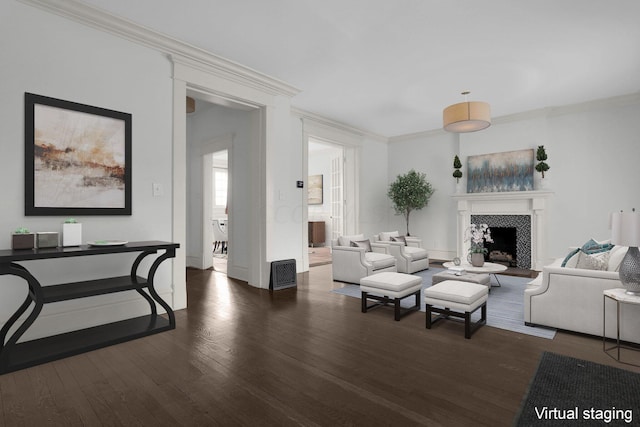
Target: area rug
572 392
505 307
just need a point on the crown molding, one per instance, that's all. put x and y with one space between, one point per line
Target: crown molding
174 49
614 101
303 114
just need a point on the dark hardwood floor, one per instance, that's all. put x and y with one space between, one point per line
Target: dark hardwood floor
299 356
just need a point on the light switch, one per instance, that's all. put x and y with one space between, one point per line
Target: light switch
158 190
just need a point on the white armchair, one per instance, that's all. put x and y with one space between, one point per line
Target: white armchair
409 254
351 263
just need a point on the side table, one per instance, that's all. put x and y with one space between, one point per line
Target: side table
620 296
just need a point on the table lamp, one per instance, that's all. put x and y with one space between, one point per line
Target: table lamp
625 231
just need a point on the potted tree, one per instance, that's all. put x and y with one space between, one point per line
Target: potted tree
457 173
541 156
410 192
541 166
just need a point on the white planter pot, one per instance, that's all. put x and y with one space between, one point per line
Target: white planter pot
541 183
71 234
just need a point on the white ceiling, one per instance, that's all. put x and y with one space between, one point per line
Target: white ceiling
391 66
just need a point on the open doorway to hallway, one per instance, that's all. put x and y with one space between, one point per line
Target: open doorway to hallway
218 140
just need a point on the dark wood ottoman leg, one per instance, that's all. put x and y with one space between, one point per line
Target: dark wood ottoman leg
363 300
467 325
428 310
396 309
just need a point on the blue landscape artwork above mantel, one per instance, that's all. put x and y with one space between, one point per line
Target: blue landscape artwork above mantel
498 172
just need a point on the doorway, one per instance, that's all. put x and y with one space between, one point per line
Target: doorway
326 211
216 206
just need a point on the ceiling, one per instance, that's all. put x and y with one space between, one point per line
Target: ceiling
390 66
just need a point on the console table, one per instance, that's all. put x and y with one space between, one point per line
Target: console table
15 356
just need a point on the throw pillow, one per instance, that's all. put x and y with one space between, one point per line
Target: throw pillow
366 244
598 261
399 239
593 247
568 257
615 259
386 236
345 240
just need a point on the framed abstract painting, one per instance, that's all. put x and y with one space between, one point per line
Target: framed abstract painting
315 190
77 158
506 171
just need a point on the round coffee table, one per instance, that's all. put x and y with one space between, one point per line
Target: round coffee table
487 268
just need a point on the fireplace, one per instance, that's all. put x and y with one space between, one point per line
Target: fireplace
512 236
525 211
503 248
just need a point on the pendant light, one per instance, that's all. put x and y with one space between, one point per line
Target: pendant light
466 116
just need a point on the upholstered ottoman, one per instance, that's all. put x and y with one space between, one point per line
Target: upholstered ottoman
479 278
390 287
463 297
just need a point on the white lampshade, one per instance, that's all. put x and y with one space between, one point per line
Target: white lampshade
468 116
625 228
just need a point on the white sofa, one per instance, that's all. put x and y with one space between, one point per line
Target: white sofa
410 258
350 264
571 299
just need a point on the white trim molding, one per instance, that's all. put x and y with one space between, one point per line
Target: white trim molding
196 57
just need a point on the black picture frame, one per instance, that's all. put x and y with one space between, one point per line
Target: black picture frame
77 158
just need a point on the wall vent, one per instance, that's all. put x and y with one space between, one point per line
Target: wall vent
283 274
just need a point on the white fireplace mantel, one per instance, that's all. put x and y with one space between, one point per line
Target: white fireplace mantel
532 203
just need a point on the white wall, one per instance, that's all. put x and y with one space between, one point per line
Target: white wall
49 55
432 154
374 213
593 153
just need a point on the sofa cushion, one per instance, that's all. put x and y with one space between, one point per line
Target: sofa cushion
416 253
597 261
379 260
346 240
366 244
385 236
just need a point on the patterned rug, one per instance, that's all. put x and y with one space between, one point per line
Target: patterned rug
505 307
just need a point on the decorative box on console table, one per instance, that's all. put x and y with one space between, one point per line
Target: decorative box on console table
47 239
71 233
22 239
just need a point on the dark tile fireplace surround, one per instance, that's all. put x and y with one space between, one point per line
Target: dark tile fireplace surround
502 227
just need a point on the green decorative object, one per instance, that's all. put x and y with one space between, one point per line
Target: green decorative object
70 221
410 192
457 173
541 156
22 230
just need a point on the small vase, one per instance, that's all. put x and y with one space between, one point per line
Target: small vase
477 259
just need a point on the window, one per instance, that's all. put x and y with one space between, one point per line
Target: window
220 177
